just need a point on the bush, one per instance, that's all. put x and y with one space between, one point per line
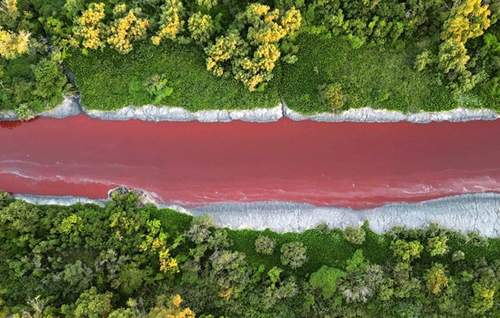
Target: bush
265 245
293 254
331 95
354 235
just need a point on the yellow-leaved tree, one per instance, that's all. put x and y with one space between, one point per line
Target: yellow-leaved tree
8 11
436 279
170 308
468 19
201 26
13 44
252 48
89 27
125 28
172 21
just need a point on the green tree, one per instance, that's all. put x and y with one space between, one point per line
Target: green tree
293 254
201 26
437 245
482 301
90 304
50 80
354 235
405 251
230 273
264 245
251 49
436 279
326 278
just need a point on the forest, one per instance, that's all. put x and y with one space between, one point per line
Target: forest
130 259
318 55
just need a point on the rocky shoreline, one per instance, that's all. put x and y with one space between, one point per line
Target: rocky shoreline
71 106
478 212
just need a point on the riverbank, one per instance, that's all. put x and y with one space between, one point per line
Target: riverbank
478 212
71 106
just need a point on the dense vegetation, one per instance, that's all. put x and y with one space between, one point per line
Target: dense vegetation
319 55
133 260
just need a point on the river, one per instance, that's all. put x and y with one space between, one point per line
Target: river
355 165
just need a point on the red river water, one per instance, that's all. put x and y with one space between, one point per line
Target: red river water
354 165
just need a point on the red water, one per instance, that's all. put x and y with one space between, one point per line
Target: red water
331 164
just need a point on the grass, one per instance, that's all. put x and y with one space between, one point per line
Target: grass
323 248
374 76
106 80
370 76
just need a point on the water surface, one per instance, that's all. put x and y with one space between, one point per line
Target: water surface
328 164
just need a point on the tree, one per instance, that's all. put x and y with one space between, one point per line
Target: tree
8 12
50 79
406 250
467 20
201 26
13 44
91 304
326 278
354 235
19 217
89 27
251 48
230 273
264 245
293 254
171 21
423 59
125 28
170 308
331 95
436 279
482 300
437 245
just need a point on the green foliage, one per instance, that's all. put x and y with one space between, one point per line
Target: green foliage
354 235
49 78
381 78
326 279
482 301
201 26
293 254
265 245
436 279
437 245
104 79
91 304
405 251
97 259
158 88
250 49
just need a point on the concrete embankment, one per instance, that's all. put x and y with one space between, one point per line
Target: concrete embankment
71 106
466 213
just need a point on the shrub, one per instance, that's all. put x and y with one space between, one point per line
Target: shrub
354 235
437 245
458 256
264 245
24 112
293 254
331 95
